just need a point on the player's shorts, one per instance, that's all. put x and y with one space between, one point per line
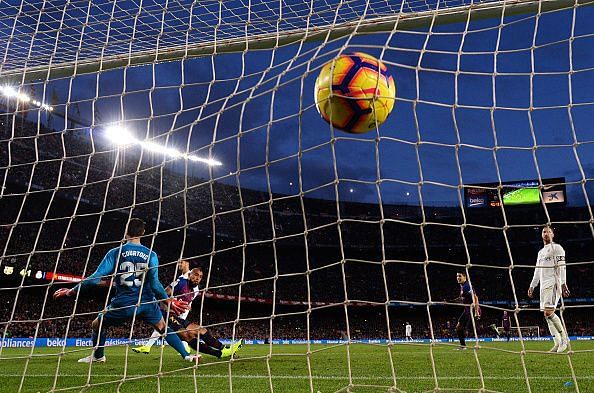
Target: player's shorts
175 322
117 313
465 319
549 297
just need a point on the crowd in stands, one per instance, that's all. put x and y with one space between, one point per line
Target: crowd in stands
66 202
36 315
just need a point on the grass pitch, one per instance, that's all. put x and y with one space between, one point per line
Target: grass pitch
284 368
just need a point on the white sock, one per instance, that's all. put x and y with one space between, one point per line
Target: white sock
554 332
558 325
154 337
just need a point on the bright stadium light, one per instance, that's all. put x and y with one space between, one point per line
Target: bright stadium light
209 161
8 91
172 152
11 92
151 146
121 137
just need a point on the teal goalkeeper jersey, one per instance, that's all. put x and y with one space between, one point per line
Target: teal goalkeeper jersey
129 263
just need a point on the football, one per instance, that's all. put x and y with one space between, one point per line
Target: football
355 92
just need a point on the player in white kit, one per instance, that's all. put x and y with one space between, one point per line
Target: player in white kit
408 331
550 273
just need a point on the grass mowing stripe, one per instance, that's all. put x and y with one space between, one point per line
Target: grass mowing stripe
457 371
329 377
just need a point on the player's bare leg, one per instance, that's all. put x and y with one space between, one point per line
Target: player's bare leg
203 341
175 341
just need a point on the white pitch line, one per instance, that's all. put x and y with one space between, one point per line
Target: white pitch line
321 377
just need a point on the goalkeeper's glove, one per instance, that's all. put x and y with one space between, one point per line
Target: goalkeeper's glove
64 292
177 306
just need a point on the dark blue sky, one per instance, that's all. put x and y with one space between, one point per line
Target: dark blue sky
271 121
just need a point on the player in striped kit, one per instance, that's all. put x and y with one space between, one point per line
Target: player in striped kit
186 288
550 273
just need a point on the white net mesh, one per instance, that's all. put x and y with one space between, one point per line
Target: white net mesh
327 240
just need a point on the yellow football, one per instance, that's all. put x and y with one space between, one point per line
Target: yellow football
355 92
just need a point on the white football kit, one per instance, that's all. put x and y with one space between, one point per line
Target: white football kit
550 273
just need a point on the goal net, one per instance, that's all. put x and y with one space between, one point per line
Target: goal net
318 247
525 331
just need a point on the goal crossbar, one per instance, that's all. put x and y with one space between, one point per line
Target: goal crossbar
396 22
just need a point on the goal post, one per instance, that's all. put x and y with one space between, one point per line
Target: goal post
526 331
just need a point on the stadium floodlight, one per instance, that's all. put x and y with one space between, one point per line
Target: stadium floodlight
8 91
209 161
151 146
172 152
168 151
119 135
11 92
122 137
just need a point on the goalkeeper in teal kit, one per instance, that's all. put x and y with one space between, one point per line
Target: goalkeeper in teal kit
129 263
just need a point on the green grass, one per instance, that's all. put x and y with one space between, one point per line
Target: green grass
370 366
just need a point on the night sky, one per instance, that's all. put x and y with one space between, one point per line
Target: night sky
259 94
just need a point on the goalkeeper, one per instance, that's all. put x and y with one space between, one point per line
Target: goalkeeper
129 263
